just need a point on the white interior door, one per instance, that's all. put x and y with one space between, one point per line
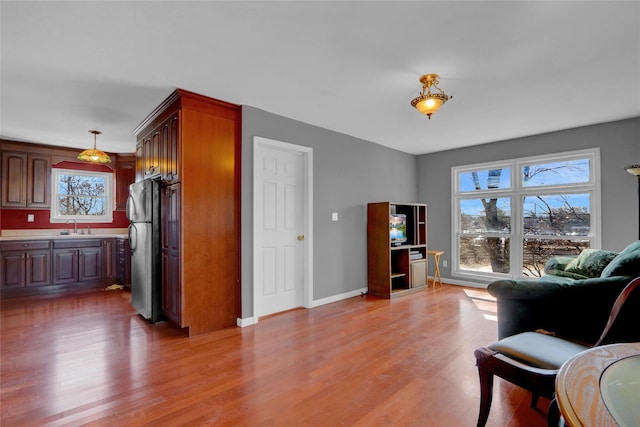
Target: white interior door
280 227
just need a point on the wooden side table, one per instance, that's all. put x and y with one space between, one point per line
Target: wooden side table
436 273
600 387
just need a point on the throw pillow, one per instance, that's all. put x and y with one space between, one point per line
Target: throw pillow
591 262
627 263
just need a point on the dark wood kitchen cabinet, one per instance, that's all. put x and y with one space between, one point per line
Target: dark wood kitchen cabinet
125 175
26 180
24 264
170 252
123 255
151 147
159 151
109 260
171 148
139 161
77 260
200 148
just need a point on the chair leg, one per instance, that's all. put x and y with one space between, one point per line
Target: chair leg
486 395
534 400
553 414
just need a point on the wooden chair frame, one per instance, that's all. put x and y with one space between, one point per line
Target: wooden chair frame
540 382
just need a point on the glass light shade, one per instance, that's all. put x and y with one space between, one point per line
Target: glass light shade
429 105
94 156
633 169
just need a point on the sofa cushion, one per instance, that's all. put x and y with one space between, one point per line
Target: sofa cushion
590 262
626 263
538 350
569 274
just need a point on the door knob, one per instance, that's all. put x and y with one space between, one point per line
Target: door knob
301 237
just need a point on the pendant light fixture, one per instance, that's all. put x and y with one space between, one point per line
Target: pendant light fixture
94 155
428 102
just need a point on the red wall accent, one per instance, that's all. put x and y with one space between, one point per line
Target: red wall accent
16 219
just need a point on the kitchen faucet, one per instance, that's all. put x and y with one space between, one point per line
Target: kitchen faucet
75 225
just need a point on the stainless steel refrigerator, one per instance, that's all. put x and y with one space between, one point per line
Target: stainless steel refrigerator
143 212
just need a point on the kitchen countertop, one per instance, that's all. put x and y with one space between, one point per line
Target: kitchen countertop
62 236
54 234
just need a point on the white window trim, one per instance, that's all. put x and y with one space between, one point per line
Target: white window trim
108 190
517 192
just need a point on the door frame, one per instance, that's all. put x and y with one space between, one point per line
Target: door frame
307 172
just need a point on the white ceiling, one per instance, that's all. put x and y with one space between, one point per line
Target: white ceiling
514 68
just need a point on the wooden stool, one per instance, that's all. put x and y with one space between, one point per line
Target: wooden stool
436 258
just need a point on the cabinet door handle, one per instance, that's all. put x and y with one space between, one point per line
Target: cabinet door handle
27 255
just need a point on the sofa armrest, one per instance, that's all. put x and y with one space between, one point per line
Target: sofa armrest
576 309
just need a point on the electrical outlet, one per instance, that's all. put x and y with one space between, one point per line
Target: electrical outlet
444 263
334 216
30 218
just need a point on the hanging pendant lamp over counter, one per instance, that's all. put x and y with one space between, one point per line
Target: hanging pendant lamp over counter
94 155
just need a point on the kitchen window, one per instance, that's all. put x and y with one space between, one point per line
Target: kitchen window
83 196
511 216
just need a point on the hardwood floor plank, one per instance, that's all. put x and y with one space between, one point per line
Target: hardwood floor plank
90 360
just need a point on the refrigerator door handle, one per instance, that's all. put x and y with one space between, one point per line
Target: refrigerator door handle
129 208
130 237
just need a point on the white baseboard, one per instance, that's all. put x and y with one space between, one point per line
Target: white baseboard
335 298
466 283
248 321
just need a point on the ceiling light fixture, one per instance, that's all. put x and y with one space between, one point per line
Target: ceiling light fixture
94 155
635 170
428 103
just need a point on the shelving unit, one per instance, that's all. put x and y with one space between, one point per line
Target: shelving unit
396 268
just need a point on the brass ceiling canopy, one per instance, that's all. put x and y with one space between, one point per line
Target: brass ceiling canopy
94 155
428 102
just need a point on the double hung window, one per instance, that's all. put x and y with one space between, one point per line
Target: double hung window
83 196
511 216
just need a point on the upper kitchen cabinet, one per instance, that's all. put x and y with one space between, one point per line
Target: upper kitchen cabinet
125 175
25 180
199 146
158 150
150 143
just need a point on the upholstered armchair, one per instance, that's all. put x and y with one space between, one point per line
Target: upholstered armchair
566 301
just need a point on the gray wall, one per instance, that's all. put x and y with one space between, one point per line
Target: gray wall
619 144
347 174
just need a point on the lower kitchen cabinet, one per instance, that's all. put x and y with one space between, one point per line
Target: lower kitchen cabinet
63 263
109 260
25 264
77 261
123 256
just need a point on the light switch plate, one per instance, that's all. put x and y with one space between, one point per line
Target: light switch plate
334 216
30 218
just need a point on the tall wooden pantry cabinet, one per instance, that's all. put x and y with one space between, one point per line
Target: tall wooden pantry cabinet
192 143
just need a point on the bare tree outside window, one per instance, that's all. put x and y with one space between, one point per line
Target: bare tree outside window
82 195
554 219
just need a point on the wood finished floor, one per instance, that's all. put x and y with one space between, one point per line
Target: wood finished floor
90 360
